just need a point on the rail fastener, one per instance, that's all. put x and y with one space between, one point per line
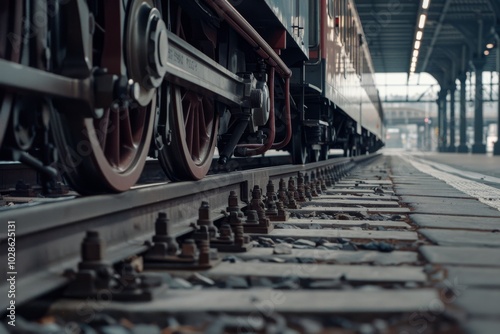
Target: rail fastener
98 279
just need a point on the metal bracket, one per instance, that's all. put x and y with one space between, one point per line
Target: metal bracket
263 224
165 254
231 235
98 279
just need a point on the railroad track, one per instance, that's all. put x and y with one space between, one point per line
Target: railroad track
349 261
20 183
49 235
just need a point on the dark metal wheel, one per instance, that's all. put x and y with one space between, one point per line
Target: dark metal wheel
299 149
193 126
315 155
323 155
11 21
190 118
105 155
108 154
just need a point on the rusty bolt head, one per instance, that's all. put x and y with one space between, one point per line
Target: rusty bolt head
256 192
161 224
282 185
270 187
234 219
92 248
225 232
204 213
233 199
252 217
189 249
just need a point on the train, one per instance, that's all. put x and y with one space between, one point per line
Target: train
89 89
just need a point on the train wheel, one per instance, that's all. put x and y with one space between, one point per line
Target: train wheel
105 155
11 20
190 118
315 155
299 148
108 154
325 149
193 133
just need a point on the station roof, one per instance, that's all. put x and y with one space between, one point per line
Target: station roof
451 28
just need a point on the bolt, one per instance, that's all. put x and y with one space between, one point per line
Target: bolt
232 204
271 200
293 194
263 220
225 232
92 247
252 217
237 227
282 193
307 187
256 203
161 224
204 219
301 187
322 181
204 256
189 249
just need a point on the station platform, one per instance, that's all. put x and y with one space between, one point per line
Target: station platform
469 164
455 200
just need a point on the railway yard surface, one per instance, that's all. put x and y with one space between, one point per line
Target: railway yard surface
373 244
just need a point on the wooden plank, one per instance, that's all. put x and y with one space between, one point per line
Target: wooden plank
329 234
352 273
309 208
335 223
337 256
374 182
261 300
468 256
456 222
377 197
482 326
473 276
339 202
355 191
362 185
462 238
478 302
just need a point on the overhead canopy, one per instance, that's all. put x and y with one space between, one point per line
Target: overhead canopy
451 28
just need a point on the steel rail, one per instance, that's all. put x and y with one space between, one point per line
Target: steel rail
48 236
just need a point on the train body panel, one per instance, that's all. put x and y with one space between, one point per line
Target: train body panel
340 69
269 17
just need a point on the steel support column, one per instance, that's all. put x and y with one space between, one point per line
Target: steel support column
452 90
496 147
439 123
444 119
478 146
463 148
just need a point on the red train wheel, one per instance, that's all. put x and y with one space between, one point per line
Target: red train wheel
105 155
108 154
11 20
193 125
189 117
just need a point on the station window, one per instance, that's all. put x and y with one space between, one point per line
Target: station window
337 16
343 20
313 24
331 9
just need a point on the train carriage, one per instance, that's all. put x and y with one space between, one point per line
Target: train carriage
90 88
